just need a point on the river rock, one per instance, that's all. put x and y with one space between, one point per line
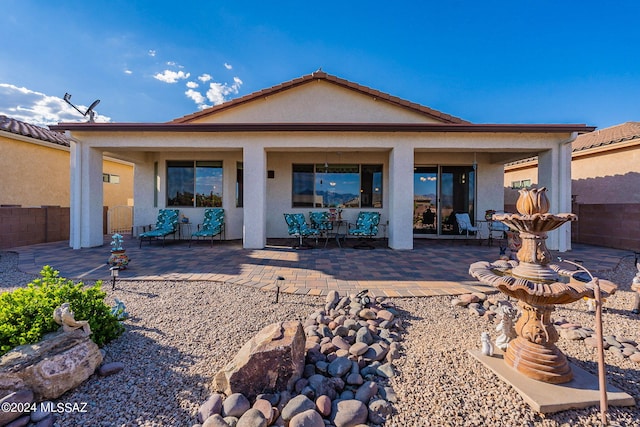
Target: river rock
349 413
215 420
296 406
235 405
323 405
271 361
308 418
366 391
252 418
212 406
339 367
20 396
379 410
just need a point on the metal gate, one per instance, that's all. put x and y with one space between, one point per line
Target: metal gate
120 219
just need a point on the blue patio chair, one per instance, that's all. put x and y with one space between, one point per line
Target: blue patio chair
321 221
366 228
166 224
465 226
212 225
298 227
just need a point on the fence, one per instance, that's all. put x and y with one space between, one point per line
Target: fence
28 226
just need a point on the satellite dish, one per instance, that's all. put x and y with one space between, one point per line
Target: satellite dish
90 112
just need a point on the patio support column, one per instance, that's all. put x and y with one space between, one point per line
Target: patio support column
254 230
85 213
554 173
400 228
75 199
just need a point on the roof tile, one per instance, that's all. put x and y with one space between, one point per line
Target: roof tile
18 127
607 136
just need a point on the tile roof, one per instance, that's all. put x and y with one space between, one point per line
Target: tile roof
321 75
607 136
17 127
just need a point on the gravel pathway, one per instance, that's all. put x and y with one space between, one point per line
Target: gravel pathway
180 334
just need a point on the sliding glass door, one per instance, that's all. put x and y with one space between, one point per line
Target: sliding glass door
439 193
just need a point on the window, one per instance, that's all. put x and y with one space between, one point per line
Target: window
113 179
521 184
337 185
194 183
239 184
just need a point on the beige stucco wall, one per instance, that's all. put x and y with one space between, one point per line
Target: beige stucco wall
308 103
33 174
609 174
37 173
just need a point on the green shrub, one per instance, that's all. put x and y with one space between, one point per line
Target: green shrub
26 314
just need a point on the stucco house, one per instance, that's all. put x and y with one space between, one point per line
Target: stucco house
35 169
312 143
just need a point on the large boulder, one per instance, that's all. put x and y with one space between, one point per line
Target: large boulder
272 361
60 362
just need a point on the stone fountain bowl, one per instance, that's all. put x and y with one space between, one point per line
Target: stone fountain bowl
538 222
496 274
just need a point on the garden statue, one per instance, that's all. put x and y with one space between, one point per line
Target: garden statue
119 311
118 257
508 316
487 347
64 316
635 286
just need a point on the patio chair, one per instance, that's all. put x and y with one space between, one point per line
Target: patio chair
366 228
497 230
212 225
321 221
464 225
167 223
298 227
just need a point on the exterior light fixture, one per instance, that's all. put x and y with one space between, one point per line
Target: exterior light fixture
115 271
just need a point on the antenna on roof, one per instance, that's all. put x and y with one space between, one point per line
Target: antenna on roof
90 112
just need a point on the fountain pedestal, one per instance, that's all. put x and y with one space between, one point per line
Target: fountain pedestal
533 352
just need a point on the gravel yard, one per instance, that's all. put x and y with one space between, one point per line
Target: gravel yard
180 334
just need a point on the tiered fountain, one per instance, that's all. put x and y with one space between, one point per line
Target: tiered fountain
538 286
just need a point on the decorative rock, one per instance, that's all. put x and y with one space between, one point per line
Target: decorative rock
367 314
349 413
232 421
296 406
628 351
366 391
591 342
339 367
252 418
389 394
21 396
265 407
19 422
60 362
354 379
467 299
386 371
340 343
235 405
273 360
379 410
309 418
611 340
110 368
375 352
212 406
358 349
323 405
332 300
385 315
635 357
571 334
38 414
47 421
215 421
322 385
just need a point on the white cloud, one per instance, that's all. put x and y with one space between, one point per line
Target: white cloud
218 92
152 52
169 76
197 98
192 85
227 66
128 72
38 108
205 78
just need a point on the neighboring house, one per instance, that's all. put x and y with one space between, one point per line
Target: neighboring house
605 175
35 169
311 143
605 167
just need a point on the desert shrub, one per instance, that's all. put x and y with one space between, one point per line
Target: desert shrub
26 314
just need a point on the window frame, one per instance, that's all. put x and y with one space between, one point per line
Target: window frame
198 200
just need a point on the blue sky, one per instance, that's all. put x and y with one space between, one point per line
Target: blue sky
488 62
